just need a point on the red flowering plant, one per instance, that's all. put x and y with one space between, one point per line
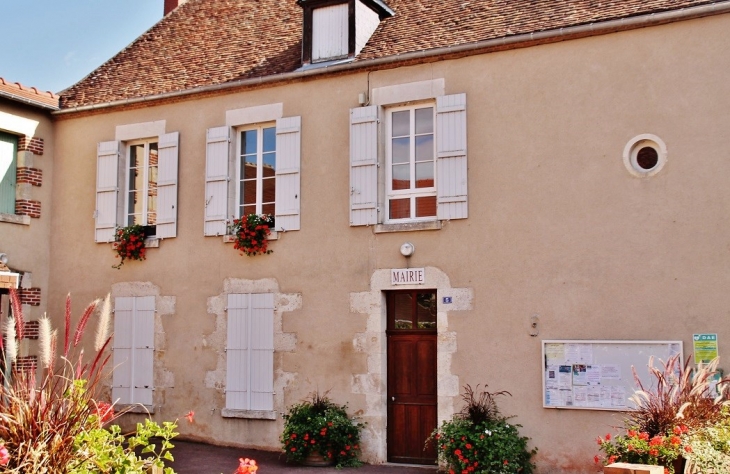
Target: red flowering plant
638 447
318 425
129 244
480 439
659 430
251 233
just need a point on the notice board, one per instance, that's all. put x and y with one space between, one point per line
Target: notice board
597 375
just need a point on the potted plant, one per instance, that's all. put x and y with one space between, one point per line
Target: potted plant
251 233
317 431
129 244
480 439
671 419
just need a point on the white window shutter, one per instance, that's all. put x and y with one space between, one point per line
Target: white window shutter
451 166
167 168
288 165
262 352
237 352
364 165
216 180
107 190
122 350
144 346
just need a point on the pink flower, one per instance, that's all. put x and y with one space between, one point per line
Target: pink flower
4 456
190 416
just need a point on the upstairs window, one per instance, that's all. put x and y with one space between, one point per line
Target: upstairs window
143 160
330 27
410 164
256 171
8 170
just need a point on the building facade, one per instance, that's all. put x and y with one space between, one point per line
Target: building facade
557 172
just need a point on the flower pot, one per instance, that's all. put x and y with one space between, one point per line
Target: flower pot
315 459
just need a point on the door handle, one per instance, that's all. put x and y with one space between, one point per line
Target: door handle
392 398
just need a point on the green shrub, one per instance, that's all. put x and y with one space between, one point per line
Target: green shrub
479 439
320 425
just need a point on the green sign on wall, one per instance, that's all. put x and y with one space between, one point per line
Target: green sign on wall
705 347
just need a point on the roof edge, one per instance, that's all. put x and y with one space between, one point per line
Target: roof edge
27 101
501 44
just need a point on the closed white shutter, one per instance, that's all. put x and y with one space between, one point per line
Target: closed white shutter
107 190
168 146
144 346
262 352
216 180
364 165
288 165
250 352
451 166
237 354
122 350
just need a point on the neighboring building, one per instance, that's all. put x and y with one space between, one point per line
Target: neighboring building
26 166
562 163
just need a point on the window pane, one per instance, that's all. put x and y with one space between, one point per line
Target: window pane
426 309
401 177
269 164
248 191
249 167
424 148
248 142
269 139
136 155
426 206
268 209
424 175
403 310
424 120
246 210
401 151
400 208
152 185
269 190
401 123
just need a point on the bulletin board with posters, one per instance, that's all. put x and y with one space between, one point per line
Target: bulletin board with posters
597 375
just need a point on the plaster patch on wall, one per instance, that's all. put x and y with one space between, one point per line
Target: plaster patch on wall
283 342
373 343
164 306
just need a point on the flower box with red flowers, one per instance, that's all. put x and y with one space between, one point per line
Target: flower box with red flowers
251 234
129 244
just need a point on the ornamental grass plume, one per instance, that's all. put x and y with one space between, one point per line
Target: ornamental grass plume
41 416
102 328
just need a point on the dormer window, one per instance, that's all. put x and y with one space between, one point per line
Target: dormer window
339 29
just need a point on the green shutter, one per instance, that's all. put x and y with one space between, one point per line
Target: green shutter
8 169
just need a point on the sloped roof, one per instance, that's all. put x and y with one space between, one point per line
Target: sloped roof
210 42
28 95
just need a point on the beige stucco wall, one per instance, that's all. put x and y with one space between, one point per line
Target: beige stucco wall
26 240
557 227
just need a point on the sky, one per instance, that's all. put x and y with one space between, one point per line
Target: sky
52 44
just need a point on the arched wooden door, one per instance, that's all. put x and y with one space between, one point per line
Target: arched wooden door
412 397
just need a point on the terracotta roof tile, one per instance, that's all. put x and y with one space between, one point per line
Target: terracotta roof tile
19 92
207 42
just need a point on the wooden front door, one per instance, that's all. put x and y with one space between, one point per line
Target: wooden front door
412 400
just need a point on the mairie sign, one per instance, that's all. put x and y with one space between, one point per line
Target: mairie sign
407 276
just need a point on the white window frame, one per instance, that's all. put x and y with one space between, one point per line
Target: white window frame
413 192
259 128
145 178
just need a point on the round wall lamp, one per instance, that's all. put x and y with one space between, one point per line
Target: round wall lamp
407 249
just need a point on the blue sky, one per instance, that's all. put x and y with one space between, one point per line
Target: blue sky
52 44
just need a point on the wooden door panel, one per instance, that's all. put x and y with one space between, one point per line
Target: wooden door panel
412 379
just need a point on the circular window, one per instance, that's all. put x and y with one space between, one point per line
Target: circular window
645 155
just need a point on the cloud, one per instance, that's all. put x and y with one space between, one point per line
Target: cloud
69 58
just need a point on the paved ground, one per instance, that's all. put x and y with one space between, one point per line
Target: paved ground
198 458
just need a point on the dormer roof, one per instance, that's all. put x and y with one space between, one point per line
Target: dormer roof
207 43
